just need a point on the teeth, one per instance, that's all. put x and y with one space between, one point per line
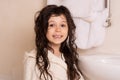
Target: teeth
57 36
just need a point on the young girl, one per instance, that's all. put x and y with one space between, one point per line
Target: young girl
55 56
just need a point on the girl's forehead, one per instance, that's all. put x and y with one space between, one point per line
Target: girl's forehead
57 16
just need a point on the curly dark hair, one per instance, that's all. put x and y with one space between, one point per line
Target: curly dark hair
68 47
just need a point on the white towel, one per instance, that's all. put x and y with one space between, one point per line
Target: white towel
98 5
82 33
91 35
54 2
98 30
78 8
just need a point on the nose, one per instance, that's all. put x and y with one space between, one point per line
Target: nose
58 29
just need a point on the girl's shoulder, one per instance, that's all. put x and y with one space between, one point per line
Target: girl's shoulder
30 57
30 65
30 54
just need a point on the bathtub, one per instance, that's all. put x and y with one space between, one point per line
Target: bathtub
100 66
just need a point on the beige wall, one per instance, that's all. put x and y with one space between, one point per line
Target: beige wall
17 35
112 42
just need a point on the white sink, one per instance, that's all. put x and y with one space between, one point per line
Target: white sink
100 66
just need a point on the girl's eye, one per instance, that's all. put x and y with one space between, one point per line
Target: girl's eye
63 25
51 25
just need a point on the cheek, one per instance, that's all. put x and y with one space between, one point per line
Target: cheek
49 33
48 36
66 32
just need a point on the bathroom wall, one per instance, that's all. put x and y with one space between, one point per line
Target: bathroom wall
17 34
112 41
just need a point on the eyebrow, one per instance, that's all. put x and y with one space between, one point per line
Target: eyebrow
54 21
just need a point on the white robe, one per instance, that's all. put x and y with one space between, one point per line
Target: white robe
58 67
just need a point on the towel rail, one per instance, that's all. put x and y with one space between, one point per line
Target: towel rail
107 5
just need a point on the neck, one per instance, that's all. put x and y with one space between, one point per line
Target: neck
56 49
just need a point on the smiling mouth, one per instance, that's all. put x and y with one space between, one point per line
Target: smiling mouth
57 36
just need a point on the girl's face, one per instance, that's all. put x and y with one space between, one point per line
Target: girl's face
57 30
